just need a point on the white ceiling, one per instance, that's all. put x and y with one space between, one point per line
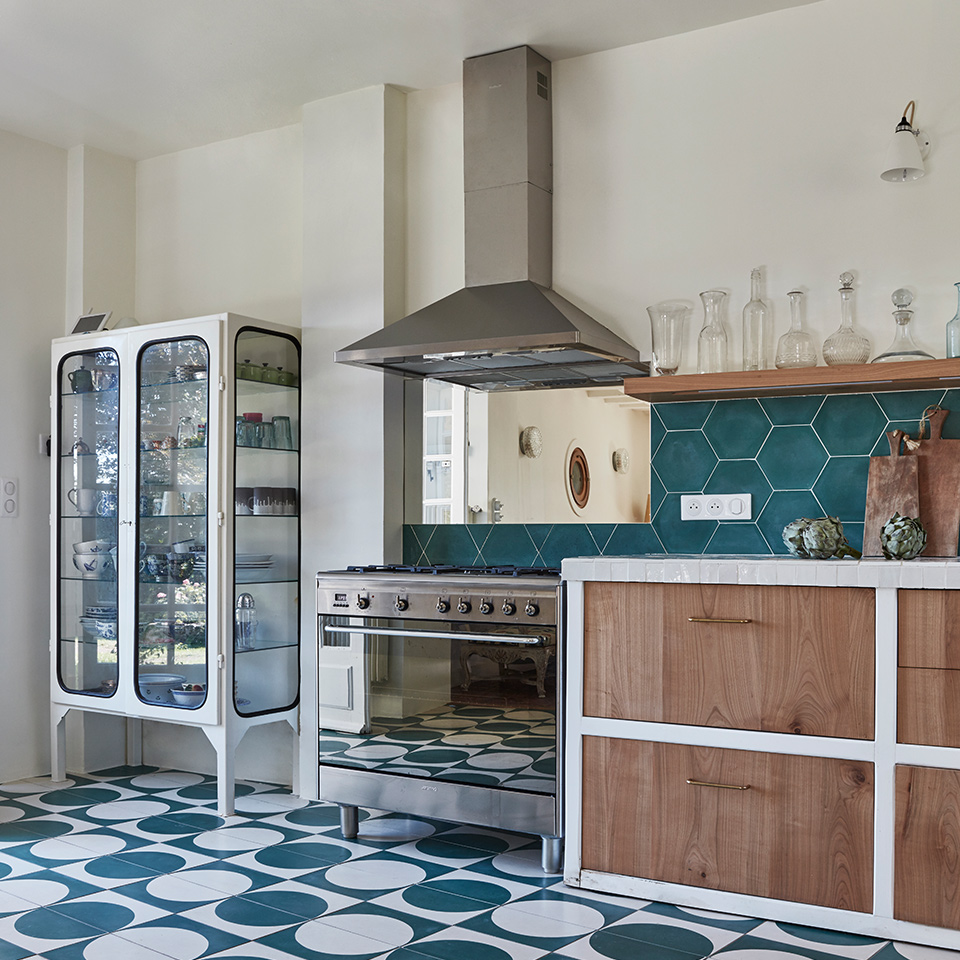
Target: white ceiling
142 78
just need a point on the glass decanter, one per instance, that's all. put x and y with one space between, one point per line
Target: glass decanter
755 328
796 348
712 342
845 345
953 330
903 347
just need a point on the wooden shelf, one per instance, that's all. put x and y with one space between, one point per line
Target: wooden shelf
849 378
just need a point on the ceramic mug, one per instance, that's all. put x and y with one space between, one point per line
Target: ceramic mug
264 501
84 499
243 501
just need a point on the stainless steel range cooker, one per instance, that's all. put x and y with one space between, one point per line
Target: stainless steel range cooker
440 693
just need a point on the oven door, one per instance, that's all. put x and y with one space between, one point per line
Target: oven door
463 703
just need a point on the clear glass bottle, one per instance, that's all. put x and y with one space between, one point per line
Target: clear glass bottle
796 348
756 328
845 345
712 342
953 330
903 346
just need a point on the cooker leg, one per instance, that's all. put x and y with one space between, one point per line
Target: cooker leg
349 822
551 854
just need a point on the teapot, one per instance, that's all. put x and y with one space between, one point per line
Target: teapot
287 377
81 379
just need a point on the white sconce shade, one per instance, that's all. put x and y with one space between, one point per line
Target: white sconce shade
904 159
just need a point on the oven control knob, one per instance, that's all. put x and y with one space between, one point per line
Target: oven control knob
363 602
486 607
402 603
531 609
463 606
509 608
443 606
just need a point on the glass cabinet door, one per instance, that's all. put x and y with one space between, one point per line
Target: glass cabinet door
266 532
86 443
172 495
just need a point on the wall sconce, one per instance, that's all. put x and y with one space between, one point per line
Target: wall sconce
531 442
907 150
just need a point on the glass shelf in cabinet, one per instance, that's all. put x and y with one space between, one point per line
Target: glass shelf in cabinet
262 645
260 388
102 392
247 446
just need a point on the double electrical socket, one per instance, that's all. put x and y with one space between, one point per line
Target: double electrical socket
716 506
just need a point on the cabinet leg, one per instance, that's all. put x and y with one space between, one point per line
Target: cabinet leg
58 744
134 741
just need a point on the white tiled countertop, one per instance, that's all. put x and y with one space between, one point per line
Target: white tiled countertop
937 574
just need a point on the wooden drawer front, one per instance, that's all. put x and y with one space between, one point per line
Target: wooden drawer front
927 866
803 830
928 622
802 664
928 706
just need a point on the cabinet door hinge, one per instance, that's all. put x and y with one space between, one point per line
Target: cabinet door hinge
219 518
221 660
223 383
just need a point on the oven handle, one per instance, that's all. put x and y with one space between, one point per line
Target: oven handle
436 635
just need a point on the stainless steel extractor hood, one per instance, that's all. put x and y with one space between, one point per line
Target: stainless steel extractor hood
506 329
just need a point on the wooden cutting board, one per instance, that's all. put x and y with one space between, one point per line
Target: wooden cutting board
939 481
892 487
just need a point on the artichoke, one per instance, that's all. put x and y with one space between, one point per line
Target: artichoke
793 537
818 539
902 538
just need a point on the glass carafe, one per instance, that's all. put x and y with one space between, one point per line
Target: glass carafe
903 347
953 330
667 326
796 348
756 332
712 342
845 345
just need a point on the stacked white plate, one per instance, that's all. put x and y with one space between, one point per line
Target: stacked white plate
254 561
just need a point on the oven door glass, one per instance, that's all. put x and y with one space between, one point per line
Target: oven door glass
453 702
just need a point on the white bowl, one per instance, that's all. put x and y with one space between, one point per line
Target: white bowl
188 698
93 546
155 687
93 565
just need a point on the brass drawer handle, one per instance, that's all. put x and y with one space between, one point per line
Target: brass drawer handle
722 786
715 620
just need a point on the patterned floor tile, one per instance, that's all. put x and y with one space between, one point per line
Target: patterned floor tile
452 898
824 941
256 914
372 877
135 864
913 951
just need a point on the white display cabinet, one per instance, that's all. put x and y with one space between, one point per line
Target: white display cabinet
175 533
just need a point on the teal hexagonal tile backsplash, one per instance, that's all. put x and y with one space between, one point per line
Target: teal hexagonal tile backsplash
797 456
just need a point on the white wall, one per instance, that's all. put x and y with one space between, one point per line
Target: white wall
682 163
33 198
219 228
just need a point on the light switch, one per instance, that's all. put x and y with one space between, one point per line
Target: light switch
9 497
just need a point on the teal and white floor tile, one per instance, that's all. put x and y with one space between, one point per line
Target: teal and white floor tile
135 864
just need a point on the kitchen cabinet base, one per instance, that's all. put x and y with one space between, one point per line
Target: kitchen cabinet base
223 740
